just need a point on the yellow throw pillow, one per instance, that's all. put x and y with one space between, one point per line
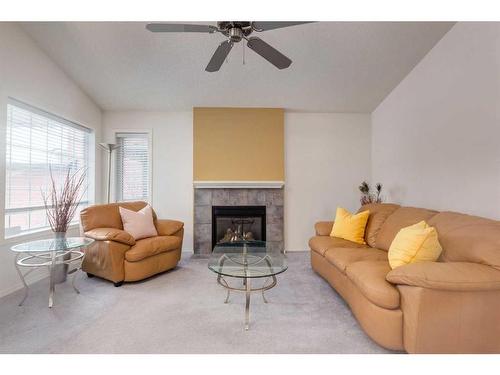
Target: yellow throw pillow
416 243
350 227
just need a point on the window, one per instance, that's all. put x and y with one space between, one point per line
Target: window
37 142
133 167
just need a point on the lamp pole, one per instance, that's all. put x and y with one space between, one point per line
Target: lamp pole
109 147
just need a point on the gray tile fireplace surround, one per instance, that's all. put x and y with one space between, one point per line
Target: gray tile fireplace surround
205 198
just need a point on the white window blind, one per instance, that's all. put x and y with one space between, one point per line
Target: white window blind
36 141
133 167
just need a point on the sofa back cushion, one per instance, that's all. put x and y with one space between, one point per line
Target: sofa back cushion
379 212
107 215
400 218
467 238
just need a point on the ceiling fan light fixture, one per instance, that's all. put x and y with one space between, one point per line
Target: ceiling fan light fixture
235 34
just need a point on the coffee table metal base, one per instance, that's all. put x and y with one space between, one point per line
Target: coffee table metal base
247 289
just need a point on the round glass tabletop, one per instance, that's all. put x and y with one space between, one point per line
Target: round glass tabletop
52 244
247 259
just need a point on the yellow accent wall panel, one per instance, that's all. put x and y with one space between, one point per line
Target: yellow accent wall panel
238 144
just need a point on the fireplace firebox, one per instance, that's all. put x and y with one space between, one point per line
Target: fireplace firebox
236 223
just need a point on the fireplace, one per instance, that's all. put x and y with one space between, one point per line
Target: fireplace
268 201
236 223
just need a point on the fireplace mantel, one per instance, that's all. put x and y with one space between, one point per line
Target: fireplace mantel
238 184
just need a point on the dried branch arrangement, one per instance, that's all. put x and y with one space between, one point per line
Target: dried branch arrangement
367 196
61 205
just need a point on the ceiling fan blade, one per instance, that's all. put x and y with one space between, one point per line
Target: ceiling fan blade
179 28
271 54
271 25
219 56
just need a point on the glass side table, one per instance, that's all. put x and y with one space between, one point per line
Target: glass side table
50 253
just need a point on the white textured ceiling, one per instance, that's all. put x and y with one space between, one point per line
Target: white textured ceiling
337 66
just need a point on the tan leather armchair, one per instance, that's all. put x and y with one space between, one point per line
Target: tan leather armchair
117 256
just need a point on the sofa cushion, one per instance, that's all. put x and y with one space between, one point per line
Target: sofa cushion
151 246
321 244
343 257
467 238
379 212
369 278
402 217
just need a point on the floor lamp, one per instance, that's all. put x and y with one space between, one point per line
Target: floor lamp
109 147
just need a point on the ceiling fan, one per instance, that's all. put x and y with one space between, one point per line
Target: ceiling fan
235 31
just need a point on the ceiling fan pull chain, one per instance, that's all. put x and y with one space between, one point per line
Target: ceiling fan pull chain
243 53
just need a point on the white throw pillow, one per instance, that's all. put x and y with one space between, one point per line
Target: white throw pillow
139 224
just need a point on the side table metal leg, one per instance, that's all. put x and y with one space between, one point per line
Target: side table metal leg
247 304
51 283
22 280
78 268
73 283
263 296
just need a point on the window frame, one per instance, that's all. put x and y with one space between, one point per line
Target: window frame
114 162
91 167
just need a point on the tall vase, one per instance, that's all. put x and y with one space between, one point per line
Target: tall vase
61 270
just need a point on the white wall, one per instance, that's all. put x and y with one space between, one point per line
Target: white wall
172 135
327 155
436 137
27 74
318 178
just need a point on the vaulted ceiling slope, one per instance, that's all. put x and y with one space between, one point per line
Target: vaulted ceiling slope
337 66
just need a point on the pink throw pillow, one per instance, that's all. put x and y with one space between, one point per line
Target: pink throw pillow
139 224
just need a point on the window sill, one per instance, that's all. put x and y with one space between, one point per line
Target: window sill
36 235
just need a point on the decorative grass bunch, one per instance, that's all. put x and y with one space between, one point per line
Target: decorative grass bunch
367 196
61 204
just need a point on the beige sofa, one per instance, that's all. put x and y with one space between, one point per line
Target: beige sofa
116 256
449 306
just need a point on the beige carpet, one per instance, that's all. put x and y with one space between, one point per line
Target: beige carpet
182 311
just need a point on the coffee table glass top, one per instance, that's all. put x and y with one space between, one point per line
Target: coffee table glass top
247 259
52 244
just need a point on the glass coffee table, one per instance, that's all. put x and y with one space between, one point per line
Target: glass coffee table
50 253
247 260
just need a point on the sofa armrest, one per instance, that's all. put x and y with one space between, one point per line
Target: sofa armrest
168 227
453 276
323 228
111 234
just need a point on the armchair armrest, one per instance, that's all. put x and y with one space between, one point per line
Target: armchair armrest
454 276
323 228
168 227
111 234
